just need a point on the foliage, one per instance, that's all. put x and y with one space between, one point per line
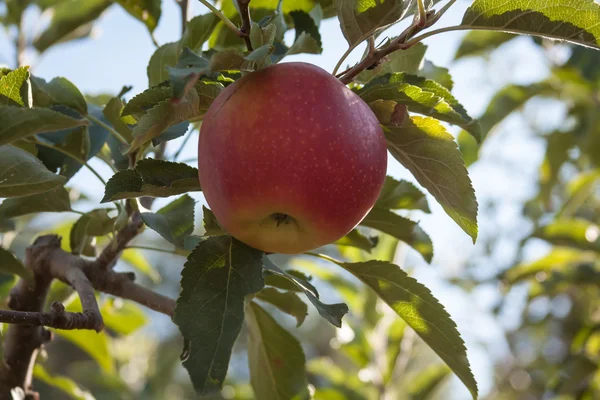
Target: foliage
49 131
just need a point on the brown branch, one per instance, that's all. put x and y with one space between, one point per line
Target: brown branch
58 318
244 6
184 8
110 254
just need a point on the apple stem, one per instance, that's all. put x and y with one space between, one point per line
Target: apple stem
281 218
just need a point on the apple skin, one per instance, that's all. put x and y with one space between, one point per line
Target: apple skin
290 159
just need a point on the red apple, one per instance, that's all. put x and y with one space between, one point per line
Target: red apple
290 159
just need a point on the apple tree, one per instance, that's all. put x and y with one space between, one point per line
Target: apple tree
220 79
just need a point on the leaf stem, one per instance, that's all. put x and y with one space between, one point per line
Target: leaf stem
153 249
74 157
222 17
244 7
323 257
113 132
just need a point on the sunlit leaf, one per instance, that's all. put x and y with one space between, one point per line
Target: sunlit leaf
10 87
216 278
275 357
136 259
95 344
356 239
401 195
574 232
559 259
64 384
147 11
288 302
124 317
423 385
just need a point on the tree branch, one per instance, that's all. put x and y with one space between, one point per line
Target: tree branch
111 253
184 7
244 6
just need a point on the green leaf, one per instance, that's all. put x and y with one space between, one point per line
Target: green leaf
190 66
11 265
579 189
585 61
92 224
424 384
574 21
360 19
468 147
440 75
168 113
67 17
122 316
401 195
395 336
10 86
477 42
331 312
113 113
407 60
198 31
218 275
56 200
95 344
18 123
288 302
165 55
308 38
136 259
430 153
22 174
415 304
64 384
402 228
174 221
59 91
573 232
356 239
142 102
559 259
420 95
154 178
210 223
275 357
147 11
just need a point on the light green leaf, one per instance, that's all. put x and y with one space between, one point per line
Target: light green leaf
401 195
468 147
122 316
147 11
276 359
408 61
22 174
331 312
395 335
402 228
559 259
420 95
430 153
165 55
477 42
155 178
210 223
288 302
573 232
414 303
113 113
92 224
18 122
136 259
423 385
579 189
67 17
11 265
56 200
64 384
11 84
174 221
59 91
440 75
198 31
218 275
574 21
356 239
95 344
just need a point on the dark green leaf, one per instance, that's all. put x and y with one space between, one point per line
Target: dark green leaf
358 240
147 11
210 223
92 224
59 91
276 359
11 265
308 38
68 16
430 153
571 20
173 132
585 61
401 195
56 200
189 68
402 228
165 55
64 384
476 42
331 312
18 122
155 178
423 385
10 87
144 101
174 221
198 31
420 95
414 303
408 61
216 279
288 302
22 174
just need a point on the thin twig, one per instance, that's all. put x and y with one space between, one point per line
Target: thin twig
107 259
21 43
222 17
244 7
184 9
